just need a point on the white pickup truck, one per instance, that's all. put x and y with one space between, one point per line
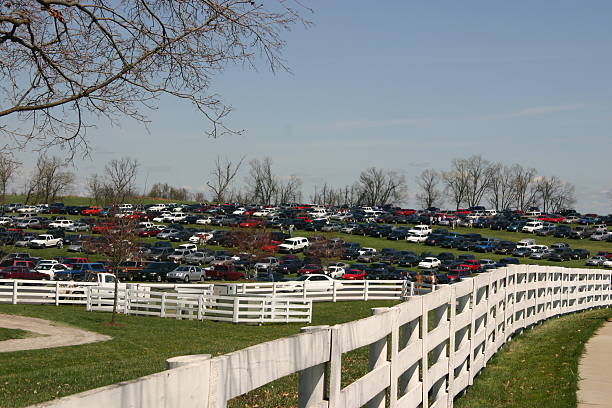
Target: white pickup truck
46 241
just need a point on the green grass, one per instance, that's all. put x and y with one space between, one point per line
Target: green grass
538 368
139 347
8 334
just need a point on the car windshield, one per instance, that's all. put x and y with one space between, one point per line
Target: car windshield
302 278
181 269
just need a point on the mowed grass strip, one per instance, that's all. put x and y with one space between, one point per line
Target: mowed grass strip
138 347
538 368
9 334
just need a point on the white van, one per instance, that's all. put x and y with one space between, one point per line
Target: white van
533 226
292 245
420 229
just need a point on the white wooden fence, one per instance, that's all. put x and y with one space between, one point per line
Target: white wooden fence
438 343
340 290
18 291
143 301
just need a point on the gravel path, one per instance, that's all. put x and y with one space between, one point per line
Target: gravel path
48 334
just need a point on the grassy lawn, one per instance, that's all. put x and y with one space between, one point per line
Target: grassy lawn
8 334
538 368
139 347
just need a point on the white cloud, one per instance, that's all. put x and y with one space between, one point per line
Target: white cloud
366 124
542 110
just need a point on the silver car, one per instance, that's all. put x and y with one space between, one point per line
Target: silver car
186 273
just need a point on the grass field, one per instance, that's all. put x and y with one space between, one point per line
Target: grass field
538 368
139 347
8 334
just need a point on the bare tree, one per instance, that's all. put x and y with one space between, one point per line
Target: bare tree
49 180
289 190
378 187
430 194
165 190
223 175
66 61
555 194
501 193
261 181
8 166
456 181
118 183
524 186
479 176
118 243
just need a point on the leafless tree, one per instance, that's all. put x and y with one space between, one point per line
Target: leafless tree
165 190
456 181
479 176
430 194
66 61
8 167
378 187
223 175
118 243
524 186
118 183
501 193
289 190
261 181
49 180
555 194
326 249
326 195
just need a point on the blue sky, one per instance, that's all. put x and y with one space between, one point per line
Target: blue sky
406 85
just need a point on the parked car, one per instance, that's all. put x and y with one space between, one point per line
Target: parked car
186 273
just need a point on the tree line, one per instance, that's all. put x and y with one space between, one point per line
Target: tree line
468 182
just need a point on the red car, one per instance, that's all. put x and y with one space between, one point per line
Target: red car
310 268
93 210
224 272
22 272
149 232
405 211
8 263
252 223
354 274
551 218
471 264
100 228
462 211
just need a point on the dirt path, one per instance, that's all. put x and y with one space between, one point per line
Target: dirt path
49 334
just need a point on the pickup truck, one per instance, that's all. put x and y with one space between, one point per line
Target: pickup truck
46 241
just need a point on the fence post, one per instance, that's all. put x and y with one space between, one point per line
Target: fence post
126 301
377 355
162 310
87 300
236 310
201 307
411 288
311 381
334 291
304 290
365 289
15 283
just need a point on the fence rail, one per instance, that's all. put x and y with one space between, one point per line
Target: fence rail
340 290
438 343
202 306
18 291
